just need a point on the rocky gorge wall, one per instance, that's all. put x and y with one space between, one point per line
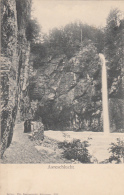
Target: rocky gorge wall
68 92
15 51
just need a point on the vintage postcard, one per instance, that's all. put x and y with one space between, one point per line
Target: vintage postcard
62 97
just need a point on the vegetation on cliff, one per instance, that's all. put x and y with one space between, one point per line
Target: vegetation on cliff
114 51
69 74
66 41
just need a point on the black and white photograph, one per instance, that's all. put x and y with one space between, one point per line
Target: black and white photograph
62 82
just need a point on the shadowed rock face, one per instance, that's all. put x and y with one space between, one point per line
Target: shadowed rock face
69 92
14 67
116 108
66 94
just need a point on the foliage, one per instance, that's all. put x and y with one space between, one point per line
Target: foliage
114 49
23 8
39 53
33 31
117 150
76 150
116 112
32 27
38 49
67 40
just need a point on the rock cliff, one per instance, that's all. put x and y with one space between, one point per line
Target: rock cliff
66 93
69 91
15 50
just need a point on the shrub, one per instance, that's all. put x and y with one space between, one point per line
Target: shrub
117 150
33 30
76 150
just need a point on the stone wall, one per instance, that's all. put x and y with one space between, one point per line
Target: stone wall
15 50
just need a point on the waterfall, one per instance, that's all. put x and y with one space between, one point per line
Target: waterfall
104 96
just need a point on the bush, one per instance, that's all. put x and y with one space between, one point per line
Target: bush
76 150
117 150
33 31
67 40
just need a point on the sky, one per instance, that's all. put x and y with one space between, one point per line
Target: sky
57 13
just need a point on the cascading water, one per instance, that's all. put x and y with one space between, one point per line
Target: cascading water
104 96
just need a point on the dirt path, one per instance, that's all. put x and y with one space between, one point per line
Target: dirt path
23 150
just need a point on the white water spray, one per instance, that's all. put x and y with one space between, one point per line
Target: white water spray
104 96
